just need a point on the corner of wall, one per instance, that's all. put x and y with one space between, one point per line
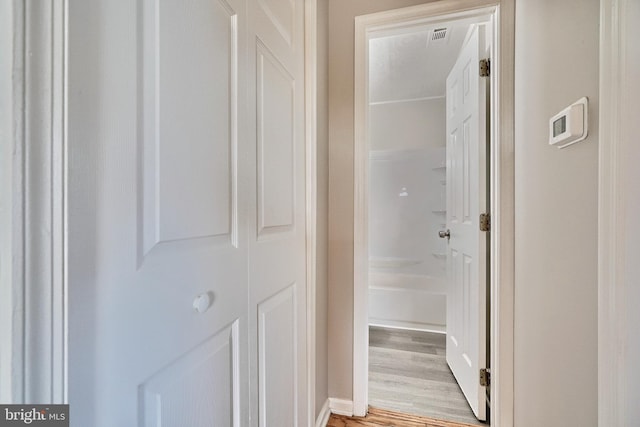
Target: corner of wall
323 415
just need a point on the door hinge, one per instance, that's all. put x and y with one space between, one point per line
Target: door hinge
485 67
485 377
485 222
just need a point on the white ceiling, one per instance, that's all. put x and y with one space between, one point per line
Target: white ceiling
409 65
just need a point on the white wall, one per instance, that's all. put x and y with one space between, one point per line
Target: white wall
407 125
556 217
407 146
322 269
340 314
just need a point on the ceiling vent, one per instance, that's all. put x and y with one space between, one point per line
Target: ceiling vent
438 34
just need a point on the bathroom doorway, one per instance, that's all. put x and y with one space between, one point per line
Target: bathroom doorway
426 176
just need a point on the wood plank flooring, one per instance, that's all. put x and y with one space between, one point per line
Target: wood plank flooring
384 418
408 373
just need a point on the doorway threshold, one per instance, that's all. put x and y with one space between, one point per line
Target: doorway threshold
384 418
408 373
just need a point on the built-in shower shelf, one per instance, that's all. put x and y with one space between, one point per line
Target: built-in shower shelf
440 212
439 255
440 168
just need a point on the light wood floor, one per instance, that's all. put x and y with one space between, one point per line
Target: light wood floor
384 418
408 373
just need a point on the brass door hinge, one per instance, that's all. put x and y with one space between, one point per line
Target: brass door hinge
485 222
485 67
485 377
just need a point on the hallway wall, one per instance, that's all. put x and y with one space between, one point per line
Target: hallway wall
322 208
556 216
556 209
340 311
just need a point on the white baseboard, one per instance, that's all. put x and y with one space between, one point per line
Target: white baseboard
341 406
411 326
323 416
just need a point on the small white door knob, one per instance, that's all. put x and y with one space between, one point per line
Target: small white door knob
202 303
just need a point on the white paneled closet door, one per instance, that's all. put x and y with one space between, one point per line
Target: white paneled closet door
186 213
277 291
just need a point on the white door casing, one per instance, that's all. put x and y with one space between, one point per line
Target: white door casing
173 224
502 191
466 200
619 208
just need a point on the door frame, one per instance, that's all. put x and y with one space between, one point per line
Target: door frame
10 203
34 281
615 228
502 182
311 151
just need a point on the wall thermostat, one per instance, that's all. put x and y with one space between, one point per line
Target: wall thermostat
569 125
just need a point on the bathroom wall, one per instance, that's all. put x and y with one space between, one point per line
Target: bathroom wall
406 210
407 124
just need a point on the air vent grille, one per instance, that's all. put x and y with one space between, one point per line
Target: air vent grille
439 34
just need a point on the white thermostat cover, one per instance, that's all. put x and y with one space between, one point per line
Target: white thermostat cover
570 125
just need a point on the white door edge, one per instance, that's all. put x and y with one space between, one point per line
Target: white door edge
501 176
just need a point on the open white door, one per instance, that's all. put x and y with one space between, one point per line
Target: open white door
466 200
186 256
